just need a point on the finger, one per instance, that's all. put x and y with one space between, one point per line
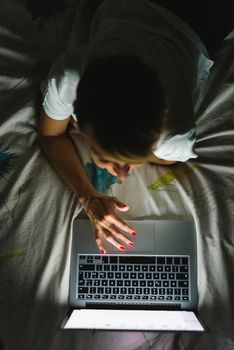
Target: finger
119 205
117 235
120 224
100 244
112 240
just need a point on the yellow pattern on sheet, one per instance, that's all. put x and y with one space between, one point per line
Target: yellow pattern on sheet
9 256
170 176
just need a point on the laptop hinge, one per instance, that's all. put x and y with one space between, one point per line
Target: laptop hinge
119 306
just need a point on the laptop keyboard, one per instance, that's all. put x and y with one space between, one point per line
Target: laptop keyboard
137 278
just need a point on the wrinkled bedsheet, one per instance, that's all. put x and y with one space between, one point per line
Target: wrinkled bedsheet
37 209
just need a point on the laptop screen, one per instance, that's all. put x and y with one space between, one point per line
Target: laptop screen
145 320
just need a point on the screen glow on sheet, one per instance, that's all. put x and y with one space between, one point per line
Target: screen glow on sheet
134 320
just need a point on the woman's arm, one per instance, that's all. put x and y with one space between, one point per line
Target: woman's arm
59 149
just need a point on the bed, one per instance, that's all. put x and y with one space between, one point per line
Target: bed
37 209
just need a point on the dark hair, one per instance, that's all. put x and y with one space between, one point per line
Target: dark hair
120 101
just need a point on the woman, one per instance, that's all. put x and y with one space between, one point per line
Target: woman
132 89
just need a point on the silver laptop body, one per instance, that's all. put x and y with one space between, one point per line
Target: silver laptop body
158 275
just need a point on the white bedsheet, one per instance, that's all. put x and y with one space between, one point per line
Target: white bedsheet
37 209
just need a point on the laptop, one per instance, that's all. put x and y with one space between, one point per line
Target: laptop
149 287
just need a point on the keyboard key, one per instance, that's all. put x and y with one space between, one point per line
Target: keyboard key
119 283
81 296
144 268
181 276
169 261
105 259
127 283
97 296
185 291
160 260
162 291
105 296
113 259
183 284
104 283
146 290
175 269
114 267
90 267
177 261
133 275
184 261
137 260
169 291
183 268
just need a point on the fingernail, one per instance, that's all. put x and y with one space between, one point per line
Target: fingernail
131 244
133 233
103 251
121 248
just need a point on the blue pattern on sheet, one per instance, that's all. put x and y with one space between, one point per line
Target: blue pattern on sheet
5 161
100 178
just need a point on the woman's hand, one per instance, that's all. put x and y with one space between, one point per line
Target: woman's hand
107 225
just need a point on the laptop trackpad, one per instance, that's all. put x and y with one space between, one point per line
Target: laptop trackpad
144 241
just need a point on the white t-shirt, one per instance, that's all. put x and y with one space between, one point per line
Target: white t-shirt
158 38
